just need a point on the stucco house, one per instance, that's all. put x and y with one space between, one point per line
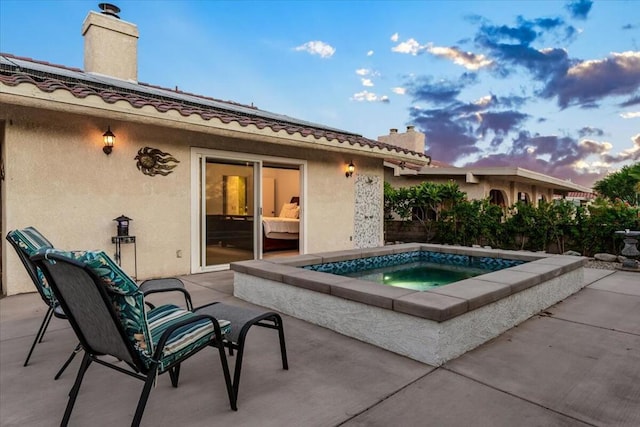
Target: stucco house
502 185
81 147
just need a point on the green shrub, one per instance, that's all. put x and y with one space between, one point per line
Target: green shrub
448 217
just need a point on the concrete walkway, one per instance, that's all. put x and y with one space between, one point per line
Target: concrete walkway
576 364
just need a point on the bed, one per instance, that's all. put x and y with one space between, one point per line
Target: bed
282 232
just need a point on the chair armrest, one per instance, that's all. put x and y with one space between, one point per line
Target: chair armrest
154 286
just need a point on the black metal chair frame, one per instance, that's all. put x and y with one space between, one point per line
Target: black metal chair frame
147 287
66 277
245 318
53 309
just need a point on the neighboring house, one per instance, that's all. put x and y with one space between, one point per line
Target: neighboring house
580 198
502 185
194 173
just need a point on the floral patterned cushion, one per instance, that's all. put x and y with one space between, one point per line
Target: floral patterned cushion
30 241
127 299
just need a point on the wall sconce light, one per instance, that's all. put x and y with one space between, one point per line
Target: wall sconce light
109 138
351 168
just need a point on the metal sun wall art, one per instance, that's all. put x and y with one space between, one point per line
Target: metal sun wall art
152 162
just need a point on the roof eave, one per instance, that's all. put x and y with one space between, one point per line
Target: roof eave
61 100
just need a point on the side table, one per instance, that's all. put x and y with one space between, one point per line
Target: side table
119 241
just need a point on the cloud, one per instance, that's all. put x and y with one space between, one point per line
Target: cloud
468 60
543 64
366 82
317 47
630 154
568 158
485 101
410 46
572 82
579 9
589 131
367 72
370 53
457 131
500 123
439 92
493 129
447 135
582 162
399 90
366 96
632 115
394 38
634 100
590 81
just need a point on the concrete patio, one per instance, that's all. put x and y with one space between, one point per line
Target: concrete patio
576 364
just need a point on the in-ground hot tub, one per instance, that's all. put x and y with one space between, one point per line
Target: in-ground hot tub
431 326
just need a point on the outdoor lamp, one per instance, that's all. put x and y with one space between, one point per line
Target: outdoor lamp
350 170
109 138
123 225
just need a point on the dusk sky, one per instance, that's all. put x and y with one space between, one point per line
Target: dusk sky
550 86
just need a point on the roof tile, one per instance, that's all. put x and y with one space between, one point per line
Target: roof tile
81 85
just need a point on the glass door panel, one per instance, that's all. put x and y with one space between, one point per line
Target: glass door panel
228 204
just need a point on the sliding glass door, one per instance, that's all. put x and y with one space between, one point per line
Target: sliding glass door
228 211
232 193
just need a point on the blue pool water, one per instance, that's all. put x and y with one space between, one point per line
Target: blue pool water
419 276
418 270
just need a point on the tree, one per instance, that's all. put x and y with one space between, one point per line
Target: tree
623 185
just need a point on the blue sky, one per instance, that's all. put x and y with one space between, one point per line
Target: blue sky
551 86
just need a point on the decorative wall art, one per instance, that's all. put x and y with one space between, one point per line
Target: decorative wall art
152 162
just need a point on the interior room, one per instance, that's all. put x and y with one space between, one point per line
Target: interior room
231 210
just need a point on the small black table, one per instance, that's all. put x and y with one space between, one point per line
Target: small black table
119 241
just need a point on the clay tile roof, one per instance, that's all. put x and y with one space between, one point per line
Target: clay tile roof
48 77
405 165
581 195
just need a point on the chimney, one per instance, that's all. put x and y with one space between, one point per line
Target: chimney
110 44
411 140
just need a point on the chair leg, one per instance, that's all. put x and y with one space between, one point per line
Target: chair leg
40 334
277 321
46 325
227 377
238 368
73 394
77 350
174 374
283 348
151 377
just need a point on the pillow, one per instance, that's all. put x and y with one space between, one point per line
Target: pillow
296 212
290 210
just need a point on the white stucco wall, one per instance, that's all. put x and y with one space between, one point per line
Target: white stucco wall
58 179
331 200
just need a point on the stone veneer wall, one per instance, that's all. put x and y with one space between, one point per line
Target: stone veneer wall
368 227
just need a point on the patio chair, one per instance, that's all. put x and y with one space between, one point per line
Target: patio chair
27 242
107 312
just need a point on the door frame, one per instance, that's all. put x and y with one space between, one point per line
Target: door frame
197 230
